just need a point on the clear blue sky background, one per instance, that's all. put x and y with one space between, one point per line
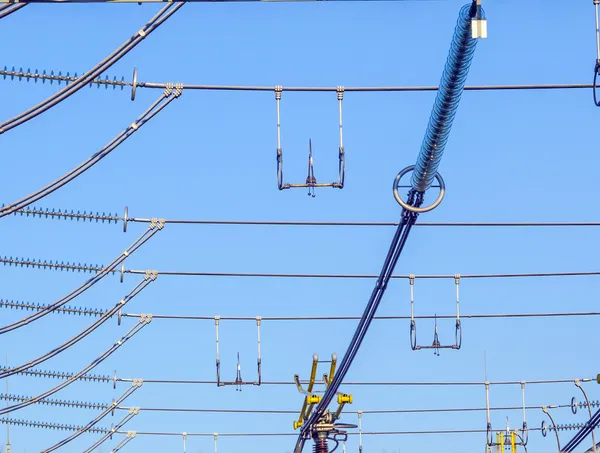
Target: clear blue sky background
512 156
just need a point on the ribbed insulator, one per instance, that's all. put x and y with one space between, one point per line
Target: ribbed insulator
29 306
10 261
320 446
54 402
48 425
59 77
54 214
446 102
59 374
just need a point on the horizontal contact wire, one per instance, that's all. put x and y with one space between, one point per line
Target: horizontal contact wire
20 74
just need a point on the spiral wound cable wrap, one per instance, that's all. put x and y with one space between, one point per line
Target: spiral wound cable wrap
447 99
60 78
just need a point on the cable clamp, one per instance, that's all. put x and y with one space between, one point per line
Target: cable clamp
278 91
134 126
217 319
131 434
142 33
258 320
340 92
161 224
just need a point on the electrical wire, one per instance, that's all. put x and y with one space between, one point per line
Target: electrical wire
115 379
354 318
84 333
93 422
7 10
135 329
90 405
165 99
71 89
71 266
19 75
150 231
114 429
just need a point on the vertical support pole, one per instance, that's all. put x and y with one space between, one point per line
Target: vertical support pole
360 446
218 361
258 360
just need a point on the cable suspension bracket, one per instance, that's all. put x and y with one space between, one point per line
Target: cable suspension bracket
238 379
515 437
311 181
326 427
436 345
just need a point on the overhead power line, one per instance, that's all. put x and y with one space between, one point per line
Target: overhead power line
27 75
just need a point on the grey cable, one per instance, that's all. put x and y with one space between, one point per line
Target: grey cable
150 231
7 10
135 329
71 89
168 96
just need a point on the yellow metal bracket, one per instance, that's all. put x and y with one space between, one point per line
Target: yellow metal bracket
310 398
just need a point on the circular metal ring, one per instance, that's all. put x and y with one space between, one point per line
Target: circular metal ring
573 405
488 434
408 207
125 219
115 380
413 338
119 316
544 428
122 271
595 85
134 84
458 335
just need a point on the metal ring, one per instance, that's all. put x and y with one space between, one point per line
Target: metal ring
596 73
408 207
458 335
573 405
488 434
413 340
119 317
122 271
115 380
125 218
544 428
134 84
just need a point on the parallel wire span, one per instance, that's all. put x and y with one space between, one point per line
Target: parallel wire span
105 378
115 218
93 422
157 106
90 405
36 75
135 329
7 10
84 333
353 318
10 261
114 429
65 310
93 73
143 238
49 425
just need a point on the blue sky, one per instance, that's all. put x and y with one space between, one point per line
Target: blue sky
512 156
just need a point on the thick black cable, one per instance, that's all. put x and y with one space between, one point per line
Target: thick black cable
81 335
587 428
151 231
71 89
152 111
113 430
135 329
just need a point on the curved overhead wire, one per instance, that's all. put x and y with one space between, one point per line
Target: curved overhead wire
84 333
93 422
7 10
150 231
135 329
114 429
168 96
71 89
